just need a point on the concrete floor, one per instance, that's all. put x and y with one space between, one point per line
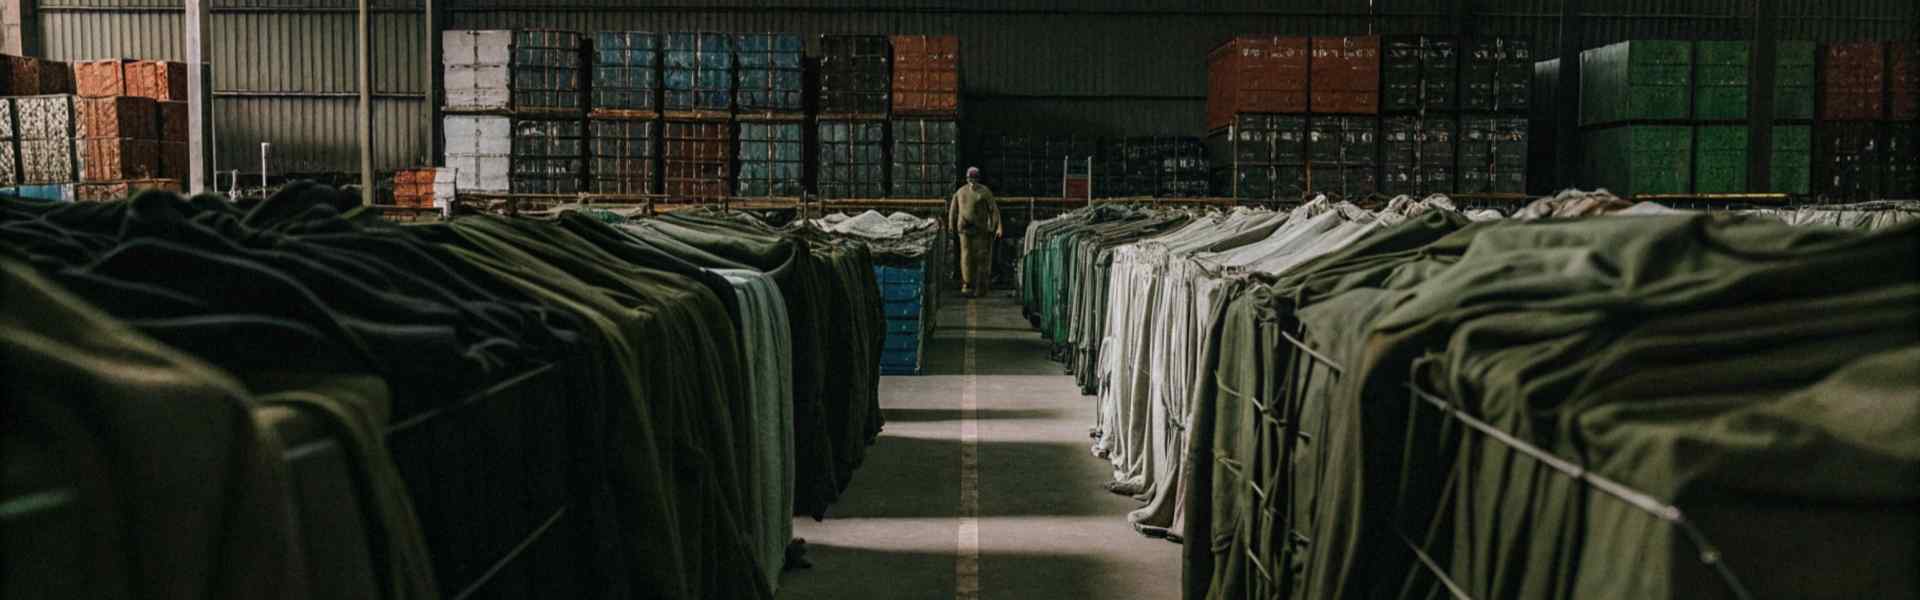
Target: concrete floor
1039 525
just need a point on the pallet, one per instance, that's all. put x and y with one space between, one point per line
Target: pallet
850 117
618 114
550 113
938 116
772 117
697 115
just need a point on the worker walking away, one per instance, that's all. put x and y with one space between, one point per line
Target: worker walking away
975 216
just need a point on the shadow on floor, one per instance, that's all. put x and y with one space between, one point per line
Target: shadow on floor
992 356
841 573
934 415
1017 479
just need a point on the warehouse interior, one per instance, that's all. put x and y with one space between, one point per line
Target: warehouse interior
904 299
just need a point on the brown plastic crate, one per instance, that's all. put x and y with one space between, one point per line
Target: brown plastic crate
118 117
118 159
56 77
926 74
23 76
173 160
1903 83
698 158
174 124
1257 74
100 78
157 79
1854 85
1346 75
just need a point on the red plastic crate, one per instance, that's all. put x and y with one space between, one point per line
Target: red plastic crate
157 79
1854 82
119 117
1346 75
1256 74
100 78
926 74
118 159
1903 84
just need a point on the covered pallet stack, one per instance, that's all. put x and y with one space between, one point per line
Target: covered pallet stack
1341 153
623 127
623 155
698 158
770 80
851 159
697 75
479 150
548 156
772 159
926 157
1635 100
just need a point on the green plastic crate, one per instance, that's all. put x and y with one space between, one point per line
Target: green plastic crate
1720 81
1636 80
1720 159
1794 79
1792 159
1639 159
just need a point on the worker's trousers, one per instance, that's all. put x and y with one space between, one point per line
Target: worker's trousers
976 261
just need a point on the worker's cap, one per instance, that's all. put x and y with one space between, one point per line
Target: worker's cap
973 172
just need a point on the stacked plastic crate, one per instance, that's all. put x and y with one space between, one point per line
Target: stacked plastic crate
855 86
1865 145
9 148
1256 105
1634 103
1496 93
1420 94
623 119
549 107
772 114
1720 103
698 96
926 115
46 129
907 292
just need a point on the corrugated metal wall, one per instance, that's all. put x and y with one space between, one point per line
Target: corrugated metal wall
284 67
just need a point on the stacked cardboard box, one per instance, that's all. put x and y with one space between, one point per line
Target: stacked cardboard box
698 73
478 68
479 150
770 76
855 76
625 71
699 159
772 159
622 155
852 159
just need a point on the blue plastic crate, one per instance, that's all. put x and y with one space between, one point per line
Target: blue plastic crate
900 362
915 276
903 342
903 326
901 292
903 310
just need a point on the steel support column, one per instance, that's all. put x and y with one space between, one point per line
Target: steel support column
1566 116
431 17
200 140
363 125
1764 63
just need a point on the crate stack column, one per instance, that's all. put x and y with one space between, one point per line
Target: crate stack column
697 100
623 123
926 109
477 125
1343 135
1635 99
1257 102
772 115
46 128
549 111
1496 93
856 85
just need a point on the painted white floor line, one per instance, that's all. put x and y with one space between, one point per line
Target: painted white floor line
966 574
